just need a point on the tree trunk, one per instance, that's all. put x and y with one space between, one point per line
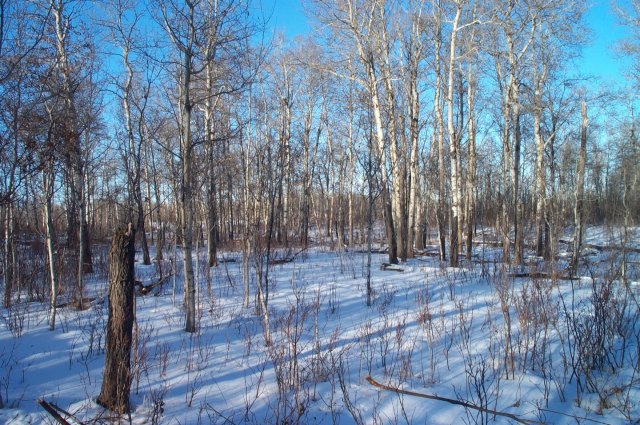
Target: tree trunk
541 189
286 165
186 220
414 116
439 137
8 269
454 149
515 175
48 182
116 382
367 58
471 171
246 206
398 169
212 216
578 212
382 157
156 193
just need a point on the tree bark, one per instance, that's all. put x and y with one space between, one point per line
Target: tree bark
541 190
8 269
186 46
414 52
454 149
212 216
116 382
578 212
471 170
439 135
540 168
48 182
398 192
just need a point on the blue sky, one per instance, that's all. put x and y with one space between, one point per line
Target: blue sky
598 58
288 16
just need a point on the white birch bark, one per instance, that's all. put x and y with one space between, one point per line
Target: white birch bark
454 145
367 59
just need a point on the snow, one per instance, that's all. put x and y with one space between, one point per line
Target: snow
430 329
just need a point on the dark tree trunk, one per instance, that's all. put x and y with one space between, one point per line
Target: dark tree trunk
87 255
146 258
117 375
578 211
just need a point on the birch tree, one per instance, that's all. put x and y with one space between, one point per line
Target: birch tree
439 129
183 24
472 88
73 131
358 21
457 217
123 27
516 23
414 51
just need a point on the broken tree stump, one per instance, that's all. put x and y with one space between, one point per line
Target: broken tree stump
116 382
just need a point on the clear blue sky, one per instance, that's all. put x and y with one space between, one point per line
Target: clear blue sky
288 16
598 59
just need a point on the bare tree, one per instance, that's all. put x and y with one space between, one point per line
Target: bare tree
472 88
439 130
454 142
414 51
123 26
358 21
516 23
63 12
182 24
629 14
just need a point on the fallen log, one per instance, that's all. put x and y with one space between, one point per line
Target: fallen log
86 301
612 248
495 244
451 401
146 289
541 275
373 251
427 254
390 267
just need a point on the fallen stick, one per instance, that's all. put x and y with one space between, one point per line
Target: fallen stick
50 409
451 401
576 417
285 260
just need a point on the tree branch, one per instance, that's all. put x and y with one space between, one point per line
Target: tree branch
451 401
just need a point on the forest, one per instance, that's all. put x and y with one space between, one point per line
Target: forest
403 179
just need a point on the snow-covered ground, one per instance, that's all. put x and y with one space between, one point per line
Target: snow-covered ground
546 350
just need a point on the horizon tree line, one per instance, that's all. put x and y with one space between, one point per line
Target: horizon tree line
438 120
